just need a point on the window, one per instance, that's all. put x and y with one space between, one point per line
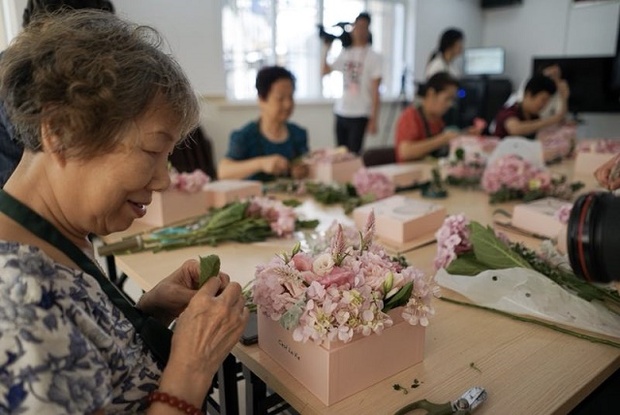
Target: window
284 32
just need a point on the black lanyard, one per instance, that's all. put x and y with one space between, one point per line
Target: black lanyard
427 128
155 335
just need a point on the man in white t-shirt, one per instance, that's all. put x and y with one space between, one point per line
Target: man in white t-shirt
357 112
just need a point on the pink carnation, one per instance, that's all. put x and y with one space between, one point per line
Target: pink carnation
281 218
188 182
452 240
563 213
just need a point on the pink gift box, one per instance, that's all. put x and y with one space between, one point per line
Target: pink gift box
172 206
539 217
336 171
404 175
336 370
222 192
400 219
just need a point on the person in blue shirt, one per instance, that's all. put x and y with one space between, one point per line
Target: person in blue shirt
270 146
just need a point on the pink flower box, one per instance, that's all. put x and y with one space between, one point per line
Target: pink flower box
172 206
472 144
400 219
340 171
222 192
404 175
539 217
336 370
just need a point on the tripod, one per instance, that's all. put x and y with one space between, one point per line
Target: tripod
399 104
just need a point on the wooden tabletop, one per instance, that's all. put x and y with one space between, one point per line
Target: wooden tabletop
525 368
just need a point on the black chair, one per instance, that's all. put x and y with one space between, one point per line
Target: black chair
378 156
196 152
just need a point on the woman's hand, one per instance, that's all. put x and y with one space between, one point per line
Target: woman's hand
275 164
608 174
169 298
204 334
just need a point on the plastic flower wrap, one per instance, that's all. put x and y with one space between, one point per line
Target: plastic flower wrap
558 142
342 291
512 178
188 182
497 274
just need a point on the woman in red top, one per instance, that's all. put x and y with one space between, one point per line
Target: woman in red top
419 131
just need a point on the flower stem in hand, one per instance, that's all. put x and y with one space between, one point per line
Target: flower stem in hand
209 268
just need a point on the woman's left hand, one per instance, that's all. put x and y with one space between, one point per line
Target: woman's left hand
170 296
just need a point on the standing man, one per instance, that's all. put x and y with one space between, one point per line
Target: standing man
357 111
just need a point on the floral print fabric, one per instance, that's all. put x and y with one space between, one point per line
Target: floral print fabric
64 348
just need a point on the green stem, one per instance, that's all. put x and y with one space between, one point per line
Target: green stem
538 322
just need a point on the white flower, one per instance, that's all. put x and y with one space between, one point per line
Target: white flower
323 264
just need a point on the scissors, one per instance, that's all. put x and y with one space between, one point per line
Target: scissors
464 405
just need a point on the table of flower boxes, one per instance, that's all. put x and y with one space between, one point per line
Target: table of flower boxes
525 368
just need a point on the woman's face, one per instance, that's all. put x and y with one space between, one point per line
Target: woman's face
457 48
107 193
279 103
438 103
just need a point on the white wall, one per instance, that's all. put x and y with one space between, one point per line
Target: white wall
434 16
193 30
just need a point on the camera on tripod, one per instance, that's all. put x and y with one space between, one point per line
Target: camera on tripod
344 37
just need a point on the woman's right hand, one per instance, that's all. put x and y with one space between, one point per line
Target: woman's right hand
275 164
449 135
608 174
204 334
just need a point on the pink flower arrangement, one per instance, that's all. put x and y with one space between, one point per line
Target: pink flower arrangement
188 182
281 218
374 185
558 142
342 291
512 172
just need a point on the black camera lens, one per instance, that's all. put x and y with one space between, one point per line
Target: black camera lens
593 237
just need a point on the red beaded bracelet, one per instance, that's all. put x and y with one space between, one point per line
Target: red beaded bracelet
173 401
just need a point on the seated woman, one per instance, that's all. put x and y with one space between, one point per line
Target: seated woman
271 146
98 108
523 117
420 129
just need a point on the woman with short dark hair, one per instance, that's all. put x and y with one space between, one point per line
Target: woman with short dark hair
98 108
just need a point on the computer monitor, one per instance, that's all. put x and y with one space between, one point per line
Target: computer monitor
483 61
592 81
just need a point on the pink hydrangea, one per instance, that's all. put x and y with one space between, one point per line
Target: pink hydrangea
452 240
563 213
374 184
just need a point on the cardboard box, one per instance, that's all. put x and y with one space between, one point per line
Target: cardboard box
338 171
404 175
587 163
172 206
222 192
400 219
337 370
538 217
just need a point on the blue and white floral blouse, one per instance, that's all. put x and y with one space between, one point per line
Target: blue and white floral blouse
64 348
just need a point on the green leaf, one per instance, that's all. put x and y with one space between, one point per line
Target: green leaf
209 268
492 252
228 215
291 203
400 298
306 224
466 264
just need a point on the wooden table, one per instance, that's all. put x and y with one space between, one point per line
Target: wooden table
525 368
